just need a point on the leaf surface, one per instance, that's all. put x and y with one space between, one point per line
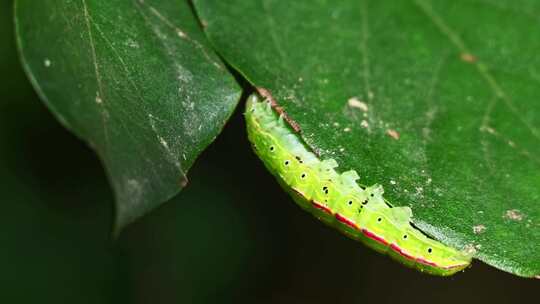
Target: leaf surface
137 81
435 100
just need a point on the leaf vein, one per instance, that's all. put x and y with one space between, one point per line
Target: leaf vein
480 67
100 97
182 34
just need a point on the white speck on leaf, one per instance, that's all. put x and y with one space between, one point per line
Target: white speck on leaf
393 133
470 249
181 34
47 62
514 215
163 142
479 229
364 124
183 74
354 102
170 154
98 98
490 130
132 43
468 57
347 129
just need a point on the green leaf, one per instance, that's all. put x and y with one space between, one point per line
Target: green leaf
436 101
137 80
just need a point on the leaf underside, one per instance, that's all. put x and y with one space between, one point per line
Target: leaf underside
436 101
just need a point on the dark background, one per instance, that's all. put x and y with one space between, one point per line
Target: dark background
231 236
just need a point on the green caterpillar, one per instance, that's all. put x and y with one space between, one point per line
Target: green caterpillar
338 200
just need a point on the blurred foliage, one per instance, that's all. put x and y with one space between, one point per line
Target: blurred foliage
231 237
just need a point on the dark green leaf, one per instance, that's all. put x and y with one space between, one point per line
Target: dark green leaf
137 80
436 101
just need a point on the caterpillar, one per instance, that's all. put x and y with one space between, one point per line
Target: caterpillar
337 199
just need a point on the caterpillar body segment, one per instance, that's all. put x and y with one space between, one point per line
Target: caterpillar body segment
338 200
